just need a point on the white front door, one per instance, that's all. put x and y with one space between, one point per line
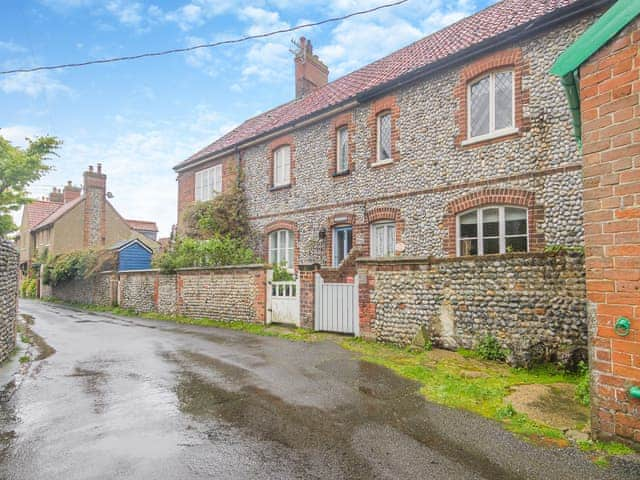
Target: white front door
284 301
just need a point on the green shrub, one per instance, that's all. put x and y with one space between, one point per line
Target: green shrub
215 252
281 274
583 387
79 264
29 287
489 348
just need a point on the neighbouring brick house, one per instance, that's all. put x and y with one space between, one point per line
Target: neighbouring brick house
75 218
601 72
419 153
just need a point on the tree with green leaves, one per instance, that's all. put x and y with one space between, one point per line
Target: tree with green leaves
19 168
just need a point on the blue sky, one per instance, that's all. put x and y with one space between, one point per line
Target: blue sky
141 118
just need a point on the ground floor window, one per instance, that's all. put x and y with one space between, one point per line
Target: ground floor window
342 243
281 248
492 230
383 239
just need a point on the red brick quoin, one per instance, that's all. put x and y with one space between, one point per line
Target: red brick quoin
610 101
495 196
497 61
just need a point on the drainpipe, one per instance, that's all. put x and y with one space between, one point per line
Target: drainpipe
571 84
238 158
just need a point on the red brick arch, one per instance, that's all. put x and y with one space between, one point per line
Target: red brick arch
282 225
495 196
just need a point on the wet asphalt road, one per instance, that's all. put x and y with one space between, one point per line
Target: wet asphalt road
134 399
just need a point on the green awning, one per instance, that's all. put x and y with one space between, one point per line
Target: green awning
598 35
608 26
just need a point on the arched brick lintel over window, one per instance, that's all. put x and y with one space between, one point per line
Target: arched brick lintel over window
511 58
282 225
381 214
495 196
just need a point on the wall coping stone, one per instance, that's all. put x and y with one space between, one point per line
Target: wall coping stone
252 266
483 258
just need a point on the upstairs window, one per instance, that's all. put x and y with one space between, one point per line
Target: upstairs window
282 166
383 239
342 150
208 183
384 137
492 230
491 104
281 248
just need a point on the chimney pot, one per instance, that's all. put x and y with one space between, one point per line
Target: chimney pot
99 168
91 168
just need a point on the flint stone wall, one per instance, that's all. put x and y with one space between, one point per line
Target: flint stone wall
8 298
95 290
534 304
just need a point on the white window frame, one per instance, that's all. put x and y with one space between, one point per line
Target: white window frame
493 133
208 183
389 249
337 228
379 159
340 168
282 253
501 226
282 166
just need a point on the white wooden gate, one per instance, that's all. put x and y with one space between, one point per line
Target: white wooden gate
283 301
336 308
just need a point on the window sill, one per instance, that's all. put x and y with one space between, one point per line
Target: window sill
341 174
280 187
490 136
382 163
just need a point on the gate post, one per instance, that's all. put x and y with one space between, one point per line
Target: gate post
307 275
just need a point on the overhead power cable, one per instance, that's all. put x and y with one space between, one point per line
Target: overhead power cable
203 45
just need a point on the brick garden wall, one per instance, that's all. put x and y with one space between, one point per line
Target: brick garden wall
610 91
8 298
533 303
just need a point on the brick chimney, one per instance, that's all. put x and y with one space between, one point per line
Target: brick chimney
311 73
70 192
56 195
95 206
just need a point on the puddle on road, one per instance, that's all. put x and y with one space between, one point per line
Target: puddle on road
385 400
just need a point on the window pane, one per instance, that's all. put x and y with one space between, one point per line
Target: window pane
516 244
468 247
515 221
281 161
490 223
491 245
384 136
469 225
479 107
504 100
343 149
391 240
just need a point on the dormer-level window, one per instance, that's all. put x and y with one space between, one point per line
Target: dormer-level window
491 105
282 166
208 183
384 137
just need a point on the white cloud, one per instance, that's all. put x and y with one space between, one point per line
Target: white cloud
17 134
12 47
261 20
268 62
33 84
127 13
